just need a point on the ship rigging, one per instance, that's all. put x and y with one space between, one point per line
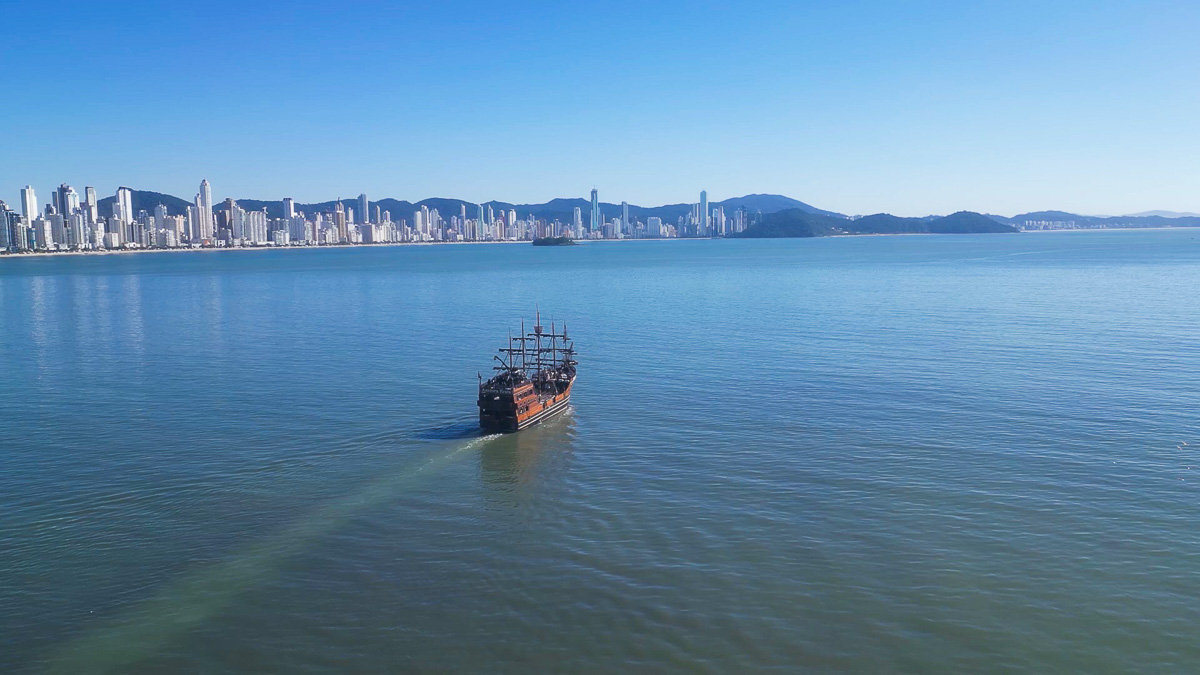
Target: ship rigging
533 380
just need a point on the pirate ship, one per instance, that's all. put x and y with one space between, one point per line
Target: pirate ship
532 382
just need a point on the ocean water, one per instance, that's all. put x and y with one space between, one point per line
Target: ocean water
879 454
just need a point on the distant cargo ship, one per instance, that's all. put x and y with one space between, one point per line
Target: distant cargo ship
533 381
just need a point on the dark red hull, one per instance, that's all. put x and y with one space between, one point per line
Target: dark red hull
513 410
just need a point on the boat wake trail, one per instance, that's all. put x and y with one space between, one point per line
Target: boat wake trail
192 600
452 431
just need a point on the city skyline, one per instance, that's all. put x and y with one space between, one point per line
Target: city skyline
65 224
929 107
361 202
161 221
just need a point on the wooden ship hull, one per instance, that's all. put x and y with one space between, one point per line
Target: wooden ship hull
498 414
533 381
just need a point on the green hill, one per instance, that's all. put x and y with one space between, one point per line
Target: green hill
885 223
797 223
145 200
560 208
967 222
794 223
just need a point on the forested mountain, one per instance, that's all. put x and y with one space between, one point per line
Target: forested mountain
797 223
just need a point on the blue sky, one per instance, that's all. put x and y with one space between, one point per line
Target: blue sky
859 107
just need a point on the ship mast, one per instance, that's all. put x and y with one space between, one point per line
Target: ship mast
533 365
537 335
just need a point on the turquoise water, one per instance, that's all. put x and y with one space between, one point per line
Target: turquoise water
924 454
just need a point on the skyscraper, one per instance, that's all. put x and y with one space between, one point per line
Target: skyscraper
624 218
255 226
123 207
204 210
29 207
66 200
704 217
363 212
5 238
595 210
653 227
237 219
578 222
91 207
289 208
198 233
339 222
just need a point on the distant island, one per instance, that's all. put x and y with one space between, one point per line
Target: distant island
800 223
554 241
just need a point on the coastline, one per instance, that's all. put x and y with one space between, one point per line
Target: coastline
1112 229
214 249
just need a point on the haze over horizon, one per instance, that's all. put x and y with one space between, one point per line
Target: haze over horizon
927 109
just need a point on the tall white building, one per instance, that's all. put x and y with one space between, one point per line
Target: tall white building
289 210
66 200
191 222
654 227
44 232
339 222
237 221
204 211
29 205
435 224
255 224
298 230
419 222
123 207
92 207
77 237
